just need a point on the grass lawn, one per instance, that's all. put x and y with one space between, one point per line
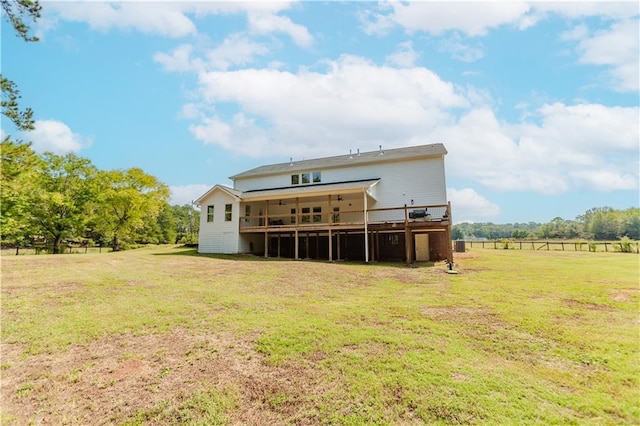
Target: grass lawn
162 335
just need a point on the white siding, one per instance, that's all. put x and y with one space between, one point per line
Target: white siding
218 236
422 181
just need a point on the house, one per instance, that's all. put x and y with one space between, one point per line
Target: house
380 205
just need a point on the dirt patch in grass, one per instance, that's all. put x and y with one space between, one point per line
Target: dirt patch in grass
579 304
124 377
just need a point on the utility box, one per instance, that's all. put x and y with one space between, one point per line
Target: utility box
458 246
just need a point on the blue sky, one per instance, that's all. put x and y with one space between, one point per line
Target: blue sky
537 103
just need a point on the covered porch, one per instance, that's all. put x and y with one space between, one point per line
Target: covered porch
342 222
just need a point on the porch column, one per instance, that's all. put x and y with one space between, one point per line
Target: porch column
297 224
330 247
266 234
338 244
366 229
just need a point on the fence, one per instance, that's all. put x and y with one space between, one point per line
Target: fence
590 246
46 249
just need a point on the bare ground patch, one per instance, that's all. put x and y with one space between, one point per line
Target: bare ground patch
116 378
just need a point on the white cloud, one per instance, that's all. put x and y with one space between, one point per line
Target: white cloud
581 9
618 48
467 205
309 113
163 18
605 180
236 49
404 56
477 18
470 18
241 135
567 145
186 194
55 136
461 51
178 60
172 18
317 113
267 23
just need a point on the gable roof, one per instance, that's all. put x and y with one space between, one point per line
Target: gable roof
421 151
229 191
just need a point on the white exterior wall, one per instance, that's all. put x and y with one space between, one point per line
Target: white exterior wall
421 180
219 236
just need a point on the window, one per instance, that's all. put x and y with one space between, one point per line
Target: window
317 217
209 213
336 215
247 213
295 179
317 177
227 212
391 240
306 178
293 215
305 215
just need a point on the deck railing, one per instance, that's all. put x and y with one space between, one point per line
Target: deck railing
346 217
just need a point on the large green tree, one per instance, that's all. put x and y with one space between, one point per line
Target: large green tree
126 200
17 181
187 223
59 204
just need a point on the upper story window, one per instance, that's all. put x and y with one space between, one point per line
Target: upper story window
227 212
209 213
305 178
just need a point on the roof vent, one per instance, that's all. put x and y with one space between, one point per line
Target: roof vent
290 161
381 151
358 152
350 155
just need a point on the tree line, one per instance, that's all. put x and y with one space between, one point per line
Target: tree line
54 199
598 223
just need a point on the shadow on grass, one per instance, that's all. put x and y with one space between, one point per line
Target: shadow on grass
193 252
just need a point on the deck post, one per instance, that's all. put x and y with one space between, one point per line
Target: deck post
266 244
338 244
306 242
407 238
330 247
450 248
366 230
297 244
279 235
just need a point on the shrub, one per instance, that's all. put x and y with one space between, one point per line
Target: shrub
625 245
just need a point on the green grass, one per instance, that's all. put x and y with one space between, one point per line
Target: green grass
516 337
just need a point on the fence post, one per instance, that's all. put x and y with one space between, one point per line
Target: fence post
605 246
